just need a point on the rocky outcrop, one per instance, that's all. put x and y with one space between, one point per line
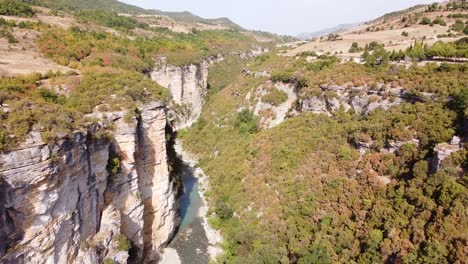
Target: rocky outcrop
443 151
273 114
188 86
65 204
255 52
361 100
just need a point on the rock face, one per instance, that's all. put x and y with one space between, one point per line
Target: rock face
362 99
252 53
62 204
272 115
443 151
188 86
53 198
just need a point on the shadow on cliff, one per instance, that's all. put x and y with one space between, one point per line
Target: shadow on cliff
143 155
178 172
9 234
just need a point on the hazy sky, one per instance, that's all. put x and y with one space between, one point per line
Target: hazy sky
284 16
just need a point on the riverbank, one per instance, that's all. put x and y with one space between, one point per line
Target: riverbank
195 242
214 237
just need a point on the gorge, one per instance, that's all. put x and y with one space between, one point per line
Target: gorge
133 136
78 201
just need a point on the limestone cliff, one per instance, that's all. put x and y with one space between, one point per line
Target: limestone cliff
188 86
64 204
360 99
270 114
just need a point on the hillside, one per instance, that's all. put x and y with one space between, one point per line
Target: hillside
109 5
397 31
119 7
191 18
323 32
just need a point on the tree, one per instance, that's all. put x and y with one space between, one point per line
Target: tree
439 21
417 51
246 122
433 7
426 21
458 26
377 56
355 48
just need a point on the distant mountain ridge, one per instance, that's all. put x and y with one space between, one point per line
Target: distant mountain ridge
109 5
191 18
119 7
326 31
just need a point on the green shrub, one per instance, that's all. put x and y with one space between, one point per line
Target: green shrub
215 222
223 211
114 165
355 48
6 33
345 153
426 21
458 26
123 244
246 122
282 76
275 97
307 54
439 21
324 62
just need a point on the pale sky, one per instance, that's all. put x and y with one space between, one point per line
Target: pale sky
289 17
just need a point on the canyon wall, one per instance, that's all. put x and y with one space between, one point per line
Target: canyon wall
188 86
361 100
326 100
67 204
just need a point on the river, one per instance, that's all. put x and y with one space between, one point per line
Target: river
195 242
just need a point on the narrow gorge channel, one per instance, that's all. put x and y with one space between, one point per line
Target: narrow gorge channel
195 242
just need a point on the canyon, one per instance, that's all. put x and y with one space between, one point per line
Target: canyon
84 198
188 86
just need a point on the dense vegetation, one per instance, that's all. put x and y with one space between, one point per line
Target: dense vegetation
299 193
74 45
16 8
108 5
375 53
108 19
